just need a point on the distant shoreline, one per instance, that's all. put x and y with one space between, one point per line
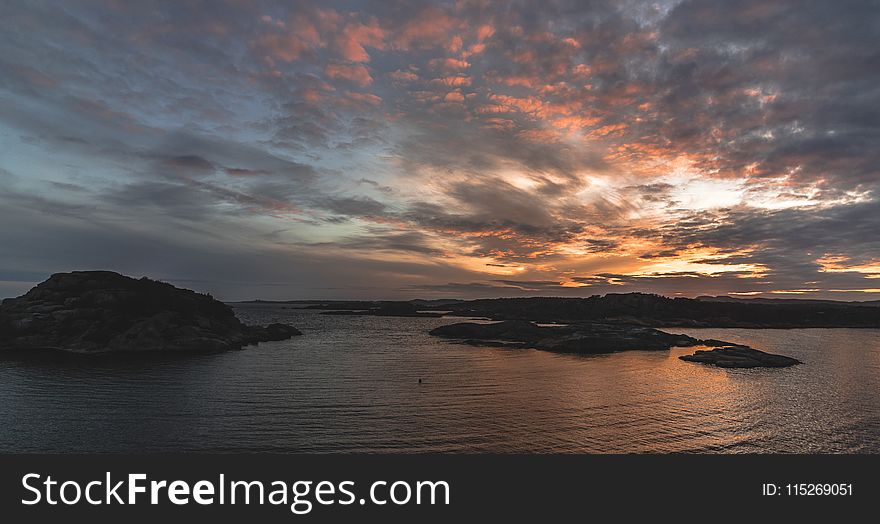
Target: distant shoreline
628 308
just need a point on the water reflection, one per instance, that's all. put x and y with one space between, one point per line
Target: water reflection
352 385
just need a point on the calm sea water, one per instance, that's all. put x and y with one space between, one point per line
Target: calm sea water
351 384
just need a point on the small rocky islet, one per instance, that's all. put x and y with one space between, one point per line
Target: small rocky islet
597 338
739 356
94 312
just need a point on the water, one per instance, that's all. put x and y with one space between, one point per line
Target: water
351 384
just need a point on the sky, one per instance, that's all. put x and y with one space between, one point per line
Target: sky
400 149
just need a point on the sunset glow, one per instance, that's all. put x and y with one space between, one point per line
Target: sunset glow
461 148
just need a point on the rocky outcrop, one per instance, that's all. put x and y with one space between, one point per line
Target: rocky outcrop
589 338
103 311
735 356
272 332
576 338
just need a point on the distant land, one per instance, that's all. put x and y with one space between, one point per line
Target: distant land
634 308
762 300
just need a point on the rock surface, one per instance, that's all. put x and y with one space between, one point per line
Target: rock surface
103 311
576 338
734 356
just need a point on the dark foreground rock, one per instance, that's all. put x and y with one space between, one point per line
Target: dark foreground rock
103 311
575 338
740 357
590 338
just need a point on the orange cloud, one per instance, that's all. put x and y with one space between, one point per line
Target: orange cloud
581 70
312 95
526 56
473 50
452 81
575 122
539 135
430 28
355 73
364 98
493 108
526 105
425 96
455 44
353 39
499 123
514 80
302 32
484 32
613 130
449 63
285 47
403 76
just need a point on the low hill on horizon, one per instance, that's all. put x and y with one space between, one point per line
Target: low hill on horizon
644 309
764 300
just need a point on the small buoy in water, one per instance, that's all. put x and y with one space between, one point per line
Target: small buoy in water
420 381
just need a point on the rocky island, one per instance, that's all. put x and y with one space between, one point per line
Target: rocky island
101 311
595 338
575 338
737 356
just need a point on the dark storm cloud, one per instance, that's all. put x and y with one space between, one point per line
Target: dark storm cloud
778 88
175 199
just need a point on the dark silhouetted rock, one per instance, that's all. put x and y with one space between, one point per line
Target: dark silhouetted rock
655 310
576 338
272 332
735 356
103 311
587 338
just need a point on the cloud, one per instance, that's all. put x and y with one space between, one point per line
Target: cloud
348 206
696 146
356 37
449 64
355 73
426 27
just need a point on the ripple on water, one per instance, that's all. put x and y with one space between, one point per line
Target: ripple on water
351 385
